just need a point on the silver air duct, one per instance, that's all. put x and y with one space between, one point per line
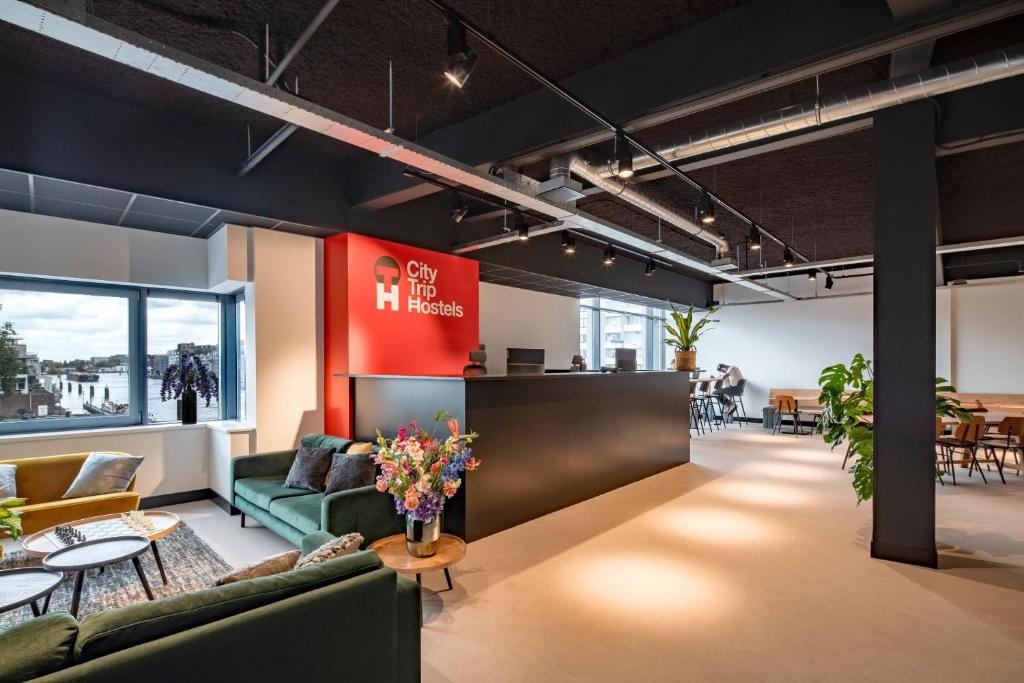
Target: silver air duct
616 187
966 73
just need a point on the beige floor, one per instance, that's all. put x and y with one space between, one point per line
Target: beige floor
750 563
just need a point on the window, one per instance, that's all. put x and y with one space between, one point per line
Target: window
606 325
175 326
75 356
240 364
66 356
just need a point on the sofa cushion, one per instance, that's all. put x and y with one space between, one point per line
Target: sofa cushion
351 471
43 515
8 481
37 647
103 633
104 473
336 443
262 491
309 470
301 512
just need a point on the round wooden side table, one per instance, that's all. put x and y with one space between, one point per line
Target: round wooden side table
393 554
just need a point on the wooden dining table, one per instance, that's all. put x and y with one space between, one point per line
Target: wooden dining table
992 419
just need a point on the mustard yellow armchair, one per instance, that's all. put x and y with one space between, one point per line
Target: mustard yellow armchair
42 481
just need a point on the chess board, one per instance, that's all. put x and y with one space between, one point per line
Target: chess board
106 528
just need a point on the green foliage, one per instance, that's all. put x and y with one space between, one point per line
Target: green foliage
11 519
10 364
684 334
847 396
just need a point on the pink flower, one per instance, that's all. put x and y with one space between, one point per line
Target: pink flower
453 427
382 484
472 464
412 499
451 486
435 468
406 467
388 468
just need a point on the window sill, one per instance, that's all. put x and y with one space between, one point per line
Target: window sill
223 426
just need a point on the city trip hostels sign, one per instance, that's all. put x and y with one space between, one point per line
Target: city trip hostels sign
394 309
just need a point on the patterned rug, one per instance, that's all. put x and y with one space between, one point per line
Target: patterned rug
190 564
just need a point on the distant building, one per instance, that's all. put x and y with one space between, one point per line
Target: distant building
158 364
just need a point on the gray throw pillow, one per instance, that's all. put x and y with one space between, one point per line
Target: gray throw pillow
336 547
350 471
8 483
309 469
104 473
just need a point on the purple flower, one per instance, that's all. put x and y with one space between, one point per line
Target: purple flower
190 372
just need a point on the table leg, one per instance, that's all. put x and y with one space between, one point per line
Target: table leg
35 608
76 597
142 577
159 562
448 578
419 579
46 602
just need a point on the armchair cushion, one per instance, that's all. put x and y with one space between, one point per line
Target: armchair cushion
262 465
37 647
262 491
336 443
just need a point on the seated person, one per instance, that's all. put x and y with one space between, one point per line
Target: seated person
731 377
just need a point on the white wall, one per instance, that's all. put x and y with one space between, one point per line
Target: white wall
519 318
979 337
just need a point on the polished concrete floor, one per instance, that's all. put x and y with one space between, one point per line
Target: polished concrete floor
750 563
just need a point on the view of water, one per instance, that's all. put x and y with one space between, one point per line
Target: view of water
159 411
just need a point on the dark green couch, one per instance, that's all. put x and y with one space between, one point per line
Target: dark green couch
348 619
257 485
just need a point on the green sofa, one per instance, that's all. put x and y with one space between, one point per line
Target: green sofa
348 619
258 491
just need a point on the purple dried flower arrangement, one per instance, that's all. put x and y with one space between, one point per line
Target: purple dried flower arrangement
190 372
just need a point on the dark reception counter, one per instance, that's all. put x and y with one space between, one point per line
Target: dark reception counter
546 441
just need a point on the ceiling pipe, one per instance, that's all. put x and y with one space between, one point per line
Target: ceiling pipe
584 170
965 73
148 56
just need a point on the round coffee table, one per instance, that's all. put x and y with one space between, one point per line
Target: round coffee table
20 587
42 543
97 553
393 554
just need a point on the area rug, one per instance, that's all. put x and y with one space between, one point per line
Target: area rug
190 564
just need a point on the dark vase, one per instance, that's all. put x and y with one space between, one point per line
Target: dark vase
189 407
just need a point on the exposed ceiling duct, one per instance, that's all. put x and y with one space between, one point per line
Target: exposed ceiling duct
135 51
966 73
638 199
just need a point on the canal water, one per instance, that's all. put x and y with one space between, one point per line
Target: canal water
159 411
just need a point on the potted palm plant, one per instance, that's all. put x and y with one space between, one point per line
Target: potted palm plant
10 519
683 334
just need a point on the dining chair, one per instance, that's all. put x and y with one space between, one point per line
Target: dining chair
1009 432
965 440
943 461
784 405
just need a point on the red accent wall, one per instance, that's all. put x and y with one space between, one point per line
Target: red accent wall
393 309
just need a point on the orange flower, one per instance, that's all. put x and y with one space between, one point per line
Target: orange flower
453 427
472 464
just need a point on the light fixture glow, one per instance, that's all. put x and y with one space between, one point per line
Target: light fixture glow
755 237
787 258
524 231
705 209
623 157
650 267
568 242
812 276
461 58
609 255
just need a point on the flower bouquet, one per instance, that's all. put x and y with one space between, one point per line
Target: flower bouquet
422 471
186 379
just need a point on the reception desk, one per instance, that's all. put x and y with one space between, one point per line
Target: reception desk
546 441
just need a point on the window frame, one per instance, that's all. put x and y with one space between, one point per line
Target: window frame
654 357
138 399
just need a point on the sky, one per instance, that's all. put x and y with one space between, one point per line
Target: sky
58 326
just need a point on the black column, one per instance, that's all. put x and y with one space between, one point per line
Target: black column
904 354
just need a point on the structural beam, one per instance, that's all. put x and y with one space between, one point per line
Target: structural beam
906 197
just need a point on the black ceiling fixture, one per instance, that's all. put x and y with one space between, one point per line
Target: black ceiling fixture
522 230
812 276
650 267
609 255
829 281
787 257
568 242
461 58
460 210
623 157
706 209
755 237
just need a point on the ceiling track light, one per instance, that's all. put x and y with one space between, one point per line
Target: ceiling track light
461 58
812 276
623 157
522 230
568 242
460 210
650 267
705 209
755 237
609 255
787 257
829 281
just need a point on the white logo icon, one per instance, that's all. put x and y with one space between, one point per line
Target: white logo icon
387 272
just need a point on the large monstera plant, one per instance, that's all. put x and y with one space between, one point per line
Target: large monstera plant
847 397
